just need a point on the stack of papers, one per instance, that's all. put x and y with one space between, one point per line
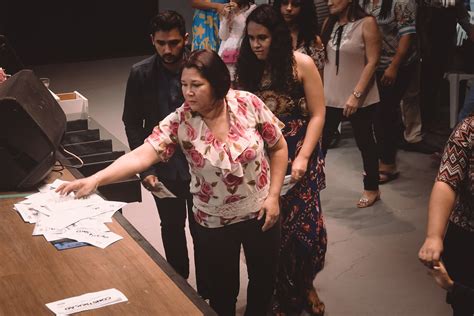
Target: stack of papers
87 301
57 217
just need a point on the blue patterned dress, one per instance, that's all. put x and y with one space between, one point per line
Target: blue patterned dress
206 28
303 235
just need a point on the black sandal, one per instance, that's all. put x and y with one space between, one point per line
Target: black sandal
389 176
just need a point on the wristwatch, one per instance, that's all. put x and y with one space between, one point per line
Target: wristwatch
357 94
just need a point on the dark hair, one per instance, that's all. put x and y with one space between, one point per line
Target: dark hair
249 69
167 21
355 13
306 21
212 68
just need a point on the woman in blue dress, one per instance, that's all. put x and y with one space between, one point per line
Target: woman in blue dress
206 23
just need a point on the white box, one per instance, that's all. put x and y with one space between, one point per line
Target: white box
74 105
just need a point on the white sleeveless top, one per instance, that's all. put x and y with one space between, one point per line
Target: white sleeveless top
340 83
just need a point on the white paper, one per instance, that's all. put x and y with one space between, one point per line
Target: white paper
161 191
98 239
28 214
287 185
57 217
87 301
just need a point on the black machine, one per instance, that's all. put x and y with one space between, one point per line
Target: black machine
32 125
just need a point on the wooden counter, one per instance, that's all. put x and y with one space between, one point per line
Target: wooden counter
33 272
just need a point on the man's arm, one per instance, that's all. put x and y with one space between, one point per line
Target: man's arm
134 115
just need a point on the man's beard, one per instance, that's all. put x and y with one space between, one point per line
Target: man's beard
170 59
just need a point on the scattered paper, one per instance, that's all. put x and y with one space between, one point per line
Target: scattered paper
87 301
287 185
59 217
161 191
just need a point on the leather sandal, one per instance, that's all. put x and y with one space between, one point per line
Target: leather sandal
387 176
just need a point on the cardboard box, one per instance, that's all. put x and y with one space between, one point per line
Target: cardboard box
74 105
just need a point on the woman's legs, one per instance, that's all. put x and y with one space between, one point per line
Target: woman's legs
388 116
220 251
261 253
362 124
332 121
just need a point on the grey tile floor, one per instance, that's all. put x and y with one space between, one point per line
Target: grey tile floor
371 263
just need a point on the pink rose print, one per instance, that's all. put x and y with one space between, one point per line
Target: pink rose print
242 109
232 180
210 139
257 104
196 158
262 181
206 192
265 166
248 155
233 134
232 198
200 216
174 128
268 133
190 132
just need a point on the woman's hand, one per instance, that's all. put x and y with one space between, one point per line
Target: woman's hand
298 168
442 277
150 182
228 9
81 187
352 104
430 252
389 76
271 210
220 8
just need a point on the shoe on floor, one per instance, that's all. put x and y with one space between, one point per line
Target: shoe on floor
420 147
387 176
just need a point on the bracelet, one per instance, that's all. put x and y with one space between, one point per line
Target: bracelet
96 177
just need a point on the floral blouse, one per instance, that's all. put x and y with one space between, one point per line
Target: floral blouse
229 180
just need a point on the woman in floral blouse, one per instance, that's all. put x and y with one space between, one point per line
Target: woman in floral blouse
237 161
451 214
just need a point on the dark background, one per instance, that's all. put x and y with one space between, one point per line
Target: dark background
52 31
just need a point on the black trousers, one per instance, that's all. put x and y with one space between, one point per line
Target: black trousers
362 125
172 213
436 33
221 250
458 256
388 124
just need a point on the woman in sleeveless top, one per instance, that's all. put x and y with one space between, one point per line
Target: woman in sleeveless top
205 27
300 16
293 91
352 42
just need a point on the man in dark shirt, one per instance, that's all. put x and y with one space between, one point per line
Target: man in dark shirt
153 92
